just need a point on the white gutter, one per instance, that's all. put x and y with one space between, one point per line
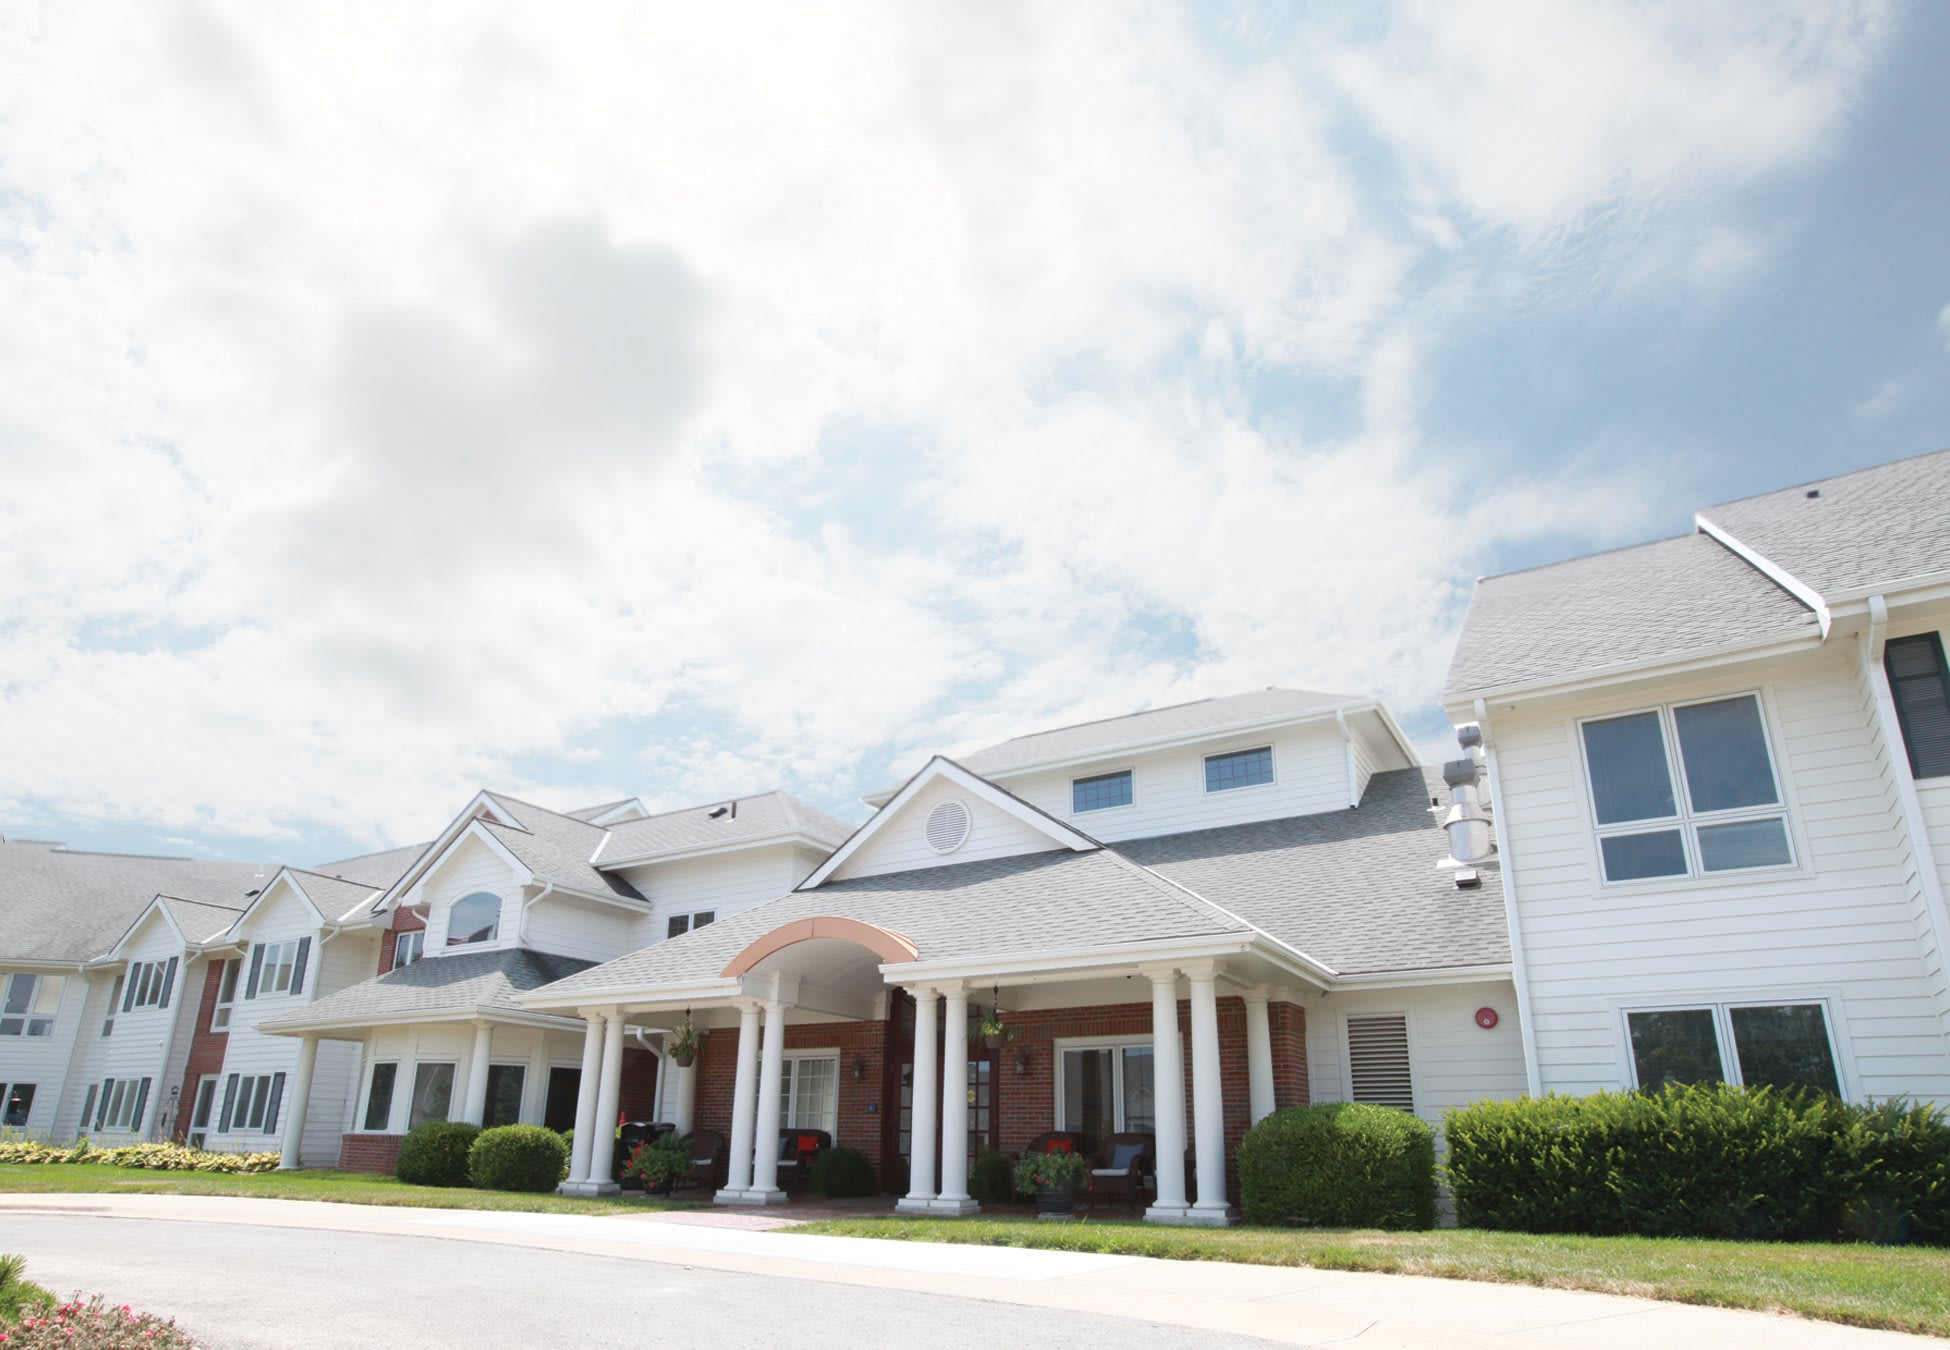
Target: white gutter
1459 703
1414 979
1519 974
698 993
1770 569
1922 854
1353 774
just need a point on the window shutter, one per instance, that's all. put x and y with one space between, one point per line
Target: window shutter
298 966
87 1108
141 1100
129 986
1920 684
257 968
229 1100
1377 1060
277 1099
169 980
108 1086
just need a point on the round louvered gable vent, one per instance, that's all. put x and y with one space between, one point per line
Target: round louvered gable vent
947 827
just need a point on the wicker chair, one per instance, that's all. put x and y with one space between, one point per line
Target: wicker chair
1120 1166
797 1149
707 1167
1056 1141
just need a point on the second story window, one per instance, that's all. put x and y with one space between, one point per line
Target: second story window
149 984
1720 813
1238 769
1101 792
1920 682
680 924
278 968
28 1004
475 919
409 947
226 996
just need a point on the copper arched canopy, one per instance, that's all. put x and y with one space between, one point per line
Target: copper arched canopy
882 942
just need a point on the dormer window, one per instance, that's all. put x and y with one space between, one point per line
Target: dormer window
1100 792
1239 769
475 919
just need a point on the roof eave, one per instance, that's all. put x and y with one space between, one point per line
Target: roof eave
777 837
1455 701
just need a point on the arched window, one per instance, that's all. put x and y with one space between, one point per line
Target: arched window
475 919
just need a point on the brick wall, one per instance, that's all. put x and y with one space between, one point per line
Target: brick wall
1289 1024
207 1047
404 921
369 1152
862 1043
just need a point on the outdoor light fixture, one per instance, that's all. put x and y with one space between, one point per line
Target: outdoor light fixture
1022 1061
859 1067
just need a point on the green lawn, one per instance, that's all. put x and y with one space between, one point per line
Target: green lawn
1896 1288
345 1188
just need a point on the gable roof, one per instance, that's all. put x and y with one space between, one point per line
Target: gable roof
472 982
555 847
595 814
63 905
715 824
200 923
1858 533
1358 890
1618 610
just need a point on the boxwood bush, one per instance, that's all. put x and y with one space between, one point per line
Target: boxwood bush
842 1173
1339 1165
517 1158
434 1153
1703 1161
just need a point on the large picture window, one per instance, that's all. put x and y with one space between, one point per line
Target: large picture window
504 1084
379 1096
1721 812
1780 1045
474 919
433 1093
809 1093
28 1004
1106 1089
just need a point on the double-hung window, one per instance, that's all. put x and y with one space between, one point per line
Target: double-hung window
201 1104
1686 790
226 995
379 1095
251 1103
149 984
278 968
809 1092
121 1104
29 1002
1919 680
1780 1045
680 924
409 947
1100 792
1106 1089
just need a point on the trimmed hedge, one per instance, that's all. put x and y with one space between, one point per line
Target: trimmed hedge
517 1158
842 1173
154 1157
1703 1161
1339 1165
990 1181
434 1153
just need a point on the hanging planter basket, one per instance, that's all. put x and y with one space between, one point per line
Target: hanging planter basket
683 1059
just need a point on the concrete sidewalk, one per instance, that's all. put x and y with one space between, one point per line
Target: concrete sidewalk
1289 1305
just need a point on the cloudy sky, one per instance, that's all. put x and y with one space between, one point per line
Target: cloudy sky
397 399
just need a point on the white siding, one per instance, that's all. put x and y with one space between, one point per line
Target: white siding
900 845
1845 927
724 883
139 1046
1168 787
469 867
1452 1061
534 1048
44 1060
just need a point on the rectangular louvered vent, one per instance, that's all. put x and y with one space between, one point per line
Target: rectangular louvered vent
1377 1057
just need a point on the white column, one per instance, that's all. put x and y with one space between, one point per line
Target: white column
771 1082
744 1103
602 1144
920 1172
1259 1055
294 1119
1168 1082
586 1088
954 1198
684 1114
1208 1102
474 1109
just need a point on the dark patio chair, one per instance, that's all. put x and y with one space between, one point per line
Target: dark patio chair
797 1149
1121 1164
707 1167
1057 1141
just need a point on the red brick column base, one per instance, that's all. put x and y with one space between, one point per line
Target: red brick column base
369 1152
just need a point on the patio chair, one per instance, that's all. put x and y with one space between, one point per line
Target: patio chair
707 1167
1120 1166
797 1149
1056 1141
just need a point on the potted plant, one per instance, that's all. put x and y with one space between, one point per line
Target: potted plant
991 1029
660 1162
1056 1179
683 1046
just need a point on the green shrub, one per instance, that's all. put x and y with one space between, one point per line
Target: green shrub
989 1181
517 1158
1339 1165
155 1157
18 1295
1053 1170
843 1173
434 1153
654 1163
1703 1161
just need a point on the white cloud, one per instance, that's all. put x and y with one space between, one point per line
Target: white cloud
397 397
1886 400
1943 323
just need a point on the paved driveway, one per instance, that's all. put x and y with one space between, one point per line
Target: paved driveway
294 1273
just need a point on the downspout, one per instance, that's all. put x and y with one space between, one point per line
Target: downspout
1921 852
521 929
1519 972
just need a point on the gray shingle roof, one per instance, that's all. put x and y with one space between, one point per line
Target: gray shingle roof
439 984
997 906
378 870
57 905
768 813
555 847
336 898
1357 890
1618 609
201 922
1865 530
599 809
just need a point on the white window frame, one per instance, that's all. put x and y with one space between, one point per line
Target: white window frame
1272 758
1687 821
121 1104
365 1098
521 1106
500 920
34 1015
203 1102
1722 1008
227 982
789 1090
413 1083
147 977
279 957
114 1006
418 939
247 1091
691 925
6 1090
1065 1044
1130 769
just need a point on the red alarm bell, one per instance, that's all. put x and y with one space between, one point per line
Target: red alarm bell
1486 1018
